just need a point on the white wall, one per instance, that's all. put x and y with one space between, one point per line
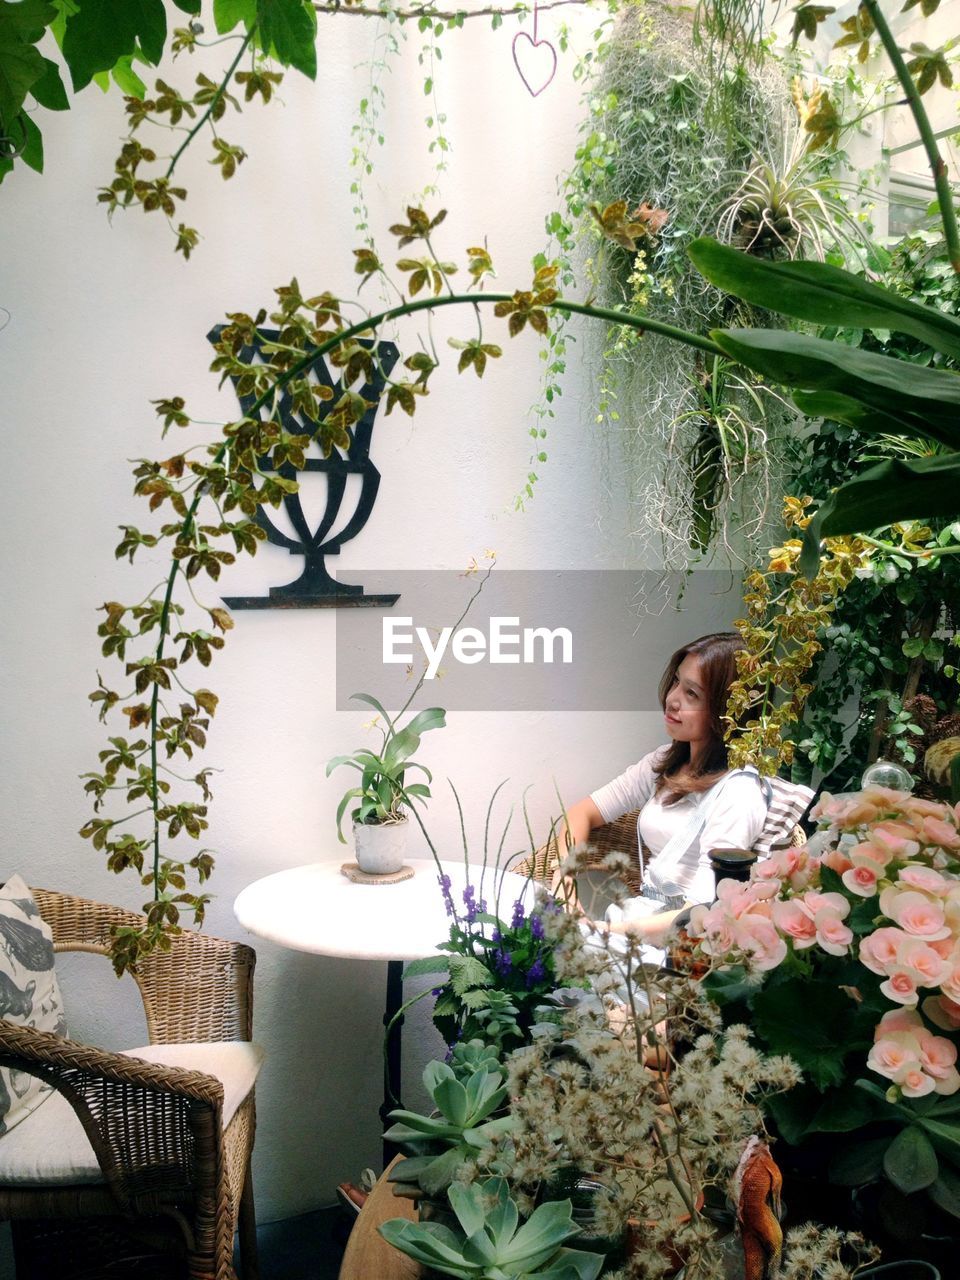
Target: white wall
105 318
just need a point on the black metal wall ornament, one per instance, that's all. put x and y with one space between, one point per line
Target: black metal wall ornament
315 588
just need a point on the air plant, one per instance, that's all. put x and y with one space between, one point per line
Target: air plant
789 203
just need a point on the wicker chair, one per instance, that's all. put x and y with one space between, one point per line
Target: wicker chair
173 1184
619 836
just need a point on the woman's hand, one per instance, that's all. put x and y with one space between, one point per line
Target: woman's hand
650 929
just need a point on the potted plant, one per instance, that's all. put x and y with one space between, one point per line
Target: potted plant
379 821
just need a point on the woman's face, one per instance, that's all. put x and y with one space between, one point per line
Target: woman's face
685 710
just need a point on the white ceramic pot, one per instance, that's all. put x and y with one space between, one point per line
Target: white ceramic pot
380 846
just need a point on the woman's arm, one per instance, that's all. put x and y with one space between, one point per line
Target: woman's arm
581 819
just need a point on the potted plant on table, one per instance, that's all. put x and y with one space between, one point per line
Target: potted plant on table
380 824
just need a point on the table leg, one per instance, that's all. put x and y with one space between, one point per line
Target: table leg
391 1051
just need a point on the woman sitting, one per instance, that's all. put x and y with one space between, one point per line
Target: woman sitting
690 801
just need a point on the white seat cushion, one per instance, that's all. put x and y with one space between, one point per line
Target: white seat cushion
50 1146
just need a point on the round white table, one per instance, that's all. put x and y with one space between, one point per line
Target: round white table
315 908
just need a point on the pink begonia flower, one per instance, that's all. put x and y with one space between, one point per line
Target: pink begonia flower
866 853
894 1053
815 901
878 950
920 960
944 834
916 806
923 878
915 1083
938 1056
886 797
901 987
758 937
914 913
781 864
950 979
845 812
900 838
791 919
836 860
942 1011
832 934
862 880
948 1083
898 1020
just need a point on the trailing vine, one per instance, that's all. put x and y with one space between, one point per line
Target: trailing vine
213 499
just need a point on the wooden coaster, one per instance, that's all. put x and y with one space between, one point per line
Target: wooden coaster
352 871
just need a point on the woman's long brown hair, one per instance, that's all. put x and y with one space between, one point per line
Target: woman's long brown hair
718 669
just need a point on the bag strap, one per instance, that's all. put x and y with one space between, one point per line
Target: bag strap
680 842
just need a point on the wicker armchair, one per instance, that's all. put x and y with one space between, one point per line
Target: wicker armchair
172 1183
619 836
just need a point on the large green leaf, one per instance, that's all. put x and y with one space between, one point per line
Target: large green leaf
834 405
21 65
812 1023
931 397
910 1161
289 28
944 1191
48 89
228 13
898 489
101 32
823 294
859 1163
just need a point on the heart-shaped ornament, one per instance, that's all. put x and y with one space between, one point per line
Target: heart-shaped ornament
540 59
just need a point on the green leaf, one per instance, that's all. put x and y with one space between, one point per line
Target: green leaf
944 1191
430 718
897 489
32 153
811 1022
451 1099
859 1163
127 79
931 397
466 971
101 32
21 65
428 965
832 405
729 985
227 13
188 6
910 1161
48 89
822 294
289 28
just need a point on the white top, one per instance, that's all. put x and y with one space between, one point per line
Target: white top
317 909
736 817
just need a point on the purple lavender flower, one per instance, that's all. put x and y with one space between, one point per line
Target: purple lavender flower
536 972
444 882
503 961
518 914
496 936
536 926
471 903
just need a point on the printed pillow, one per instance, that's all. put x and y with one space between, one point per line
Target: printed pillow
29 994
